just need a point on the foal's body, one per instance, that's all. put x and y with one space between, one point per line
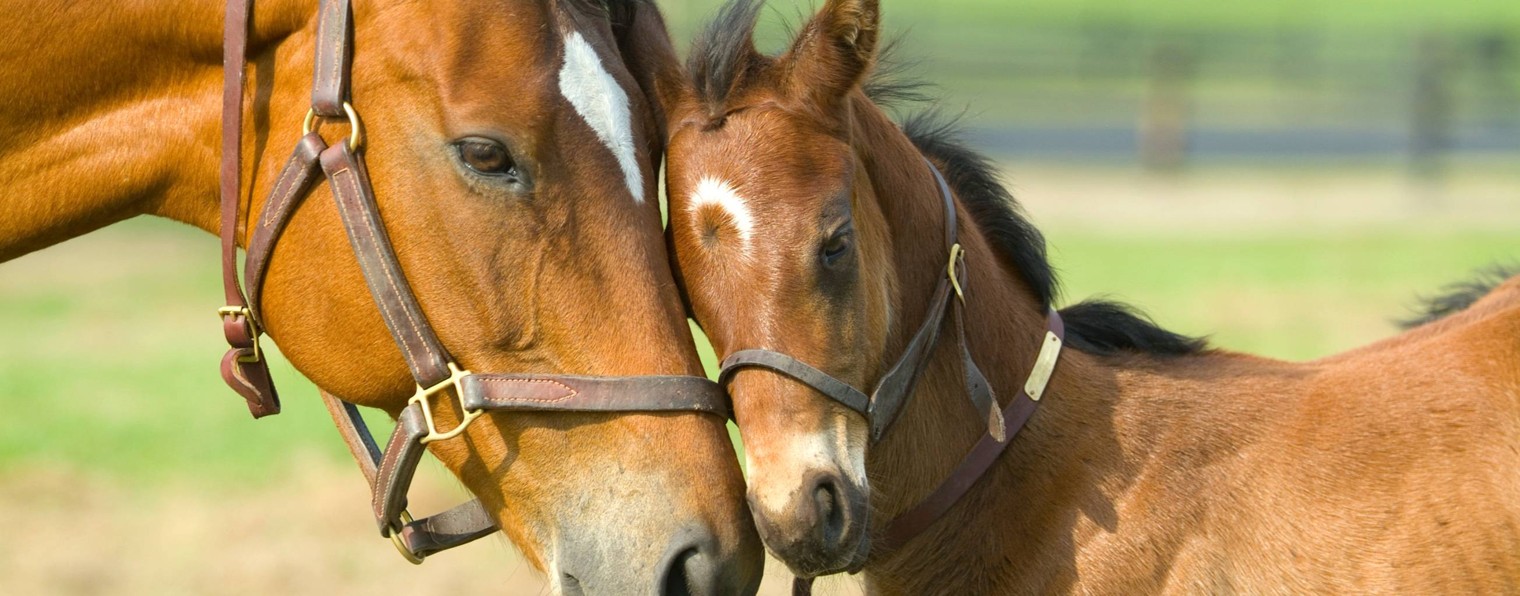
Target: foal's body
1152 464
1390 468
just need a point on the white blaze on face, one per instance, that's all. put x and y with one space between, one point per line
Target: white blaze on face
718 193
603 104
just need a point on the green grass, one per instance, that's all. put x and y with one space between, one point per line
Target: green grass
109 348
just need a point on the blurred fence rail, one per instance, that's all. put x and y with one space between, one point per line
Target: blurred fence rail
1111 85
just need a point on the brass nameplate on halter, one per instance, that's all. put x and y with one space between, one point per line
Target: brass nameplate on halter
1044 366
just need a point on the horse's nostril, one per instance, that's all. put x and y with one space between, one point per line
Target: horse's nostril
676 581
570 586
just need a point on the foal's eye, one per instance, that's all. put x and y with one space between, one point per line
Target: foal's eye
486 157
837 246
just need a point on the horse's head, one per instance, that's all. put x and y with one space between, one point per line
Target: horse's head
513 149
781 245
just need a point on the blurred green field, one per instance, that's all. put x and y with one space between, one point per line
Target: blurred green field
1363 14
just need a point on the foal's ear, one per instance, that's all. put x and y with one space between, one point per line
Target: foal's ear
834 51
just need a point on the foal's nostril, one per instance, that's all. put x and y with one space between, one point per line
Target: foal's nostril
830 511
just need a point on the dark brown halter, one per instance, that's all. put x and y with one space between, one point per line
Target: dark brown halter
883 405
390 471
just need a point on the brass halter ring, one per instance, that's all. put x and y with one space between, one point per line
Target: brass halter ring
355 127
406 553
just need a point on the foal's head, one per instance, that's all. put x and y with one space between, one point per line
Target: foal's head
513 150
781 245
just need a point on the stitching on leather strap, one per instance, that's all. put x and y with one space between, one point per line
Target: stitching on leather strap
387 472
353 183
500 400
270 215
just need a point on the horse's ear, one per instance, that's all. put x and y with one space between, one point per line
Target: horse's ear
645 44
834 52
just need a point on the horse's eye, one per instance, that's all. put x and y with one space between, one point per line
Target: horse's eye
837 246
486 157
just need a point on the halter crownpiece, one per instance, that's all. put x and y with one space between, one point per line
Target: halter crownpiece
436 373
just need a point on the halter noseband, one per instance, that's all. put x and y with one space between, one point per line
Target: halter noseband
244 368
883 405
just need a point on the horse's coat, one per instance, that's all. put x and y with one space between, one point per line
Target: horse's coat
510 221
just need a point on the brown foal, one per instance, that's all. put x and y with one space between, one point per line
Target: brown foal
806 223
513 149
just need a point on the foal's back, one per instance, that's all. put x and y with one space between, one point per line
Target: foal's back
1393 467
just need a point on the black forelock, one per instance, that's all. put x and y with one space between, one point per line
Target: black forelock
720 55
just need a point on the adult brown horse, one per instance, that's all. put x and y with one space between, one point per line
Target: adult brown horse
512 150
818 244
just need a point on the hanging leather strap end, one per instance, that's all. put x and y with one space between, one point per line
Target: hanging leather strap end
251 380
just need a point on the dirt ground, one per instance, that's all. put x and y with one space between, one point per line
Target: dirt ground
311 534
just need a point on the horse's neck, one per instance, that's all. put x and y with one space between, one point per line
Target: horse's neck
116 112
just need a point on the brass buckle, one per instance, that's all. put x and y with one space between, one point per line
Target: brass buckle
395 536
253 330
423 393
957 255
355 128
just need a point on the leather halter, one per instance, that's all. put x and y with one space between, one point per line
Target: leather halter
884 404
245 369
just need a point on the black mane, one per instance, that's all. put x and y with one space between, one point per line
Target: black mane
1456 297
1094 326
720 58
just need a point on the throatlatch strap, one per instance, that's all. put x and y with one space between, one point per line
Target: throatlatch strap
243 367
985 452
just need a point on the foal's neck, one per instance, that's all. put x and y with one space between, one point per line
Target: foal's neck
122 119
1005 325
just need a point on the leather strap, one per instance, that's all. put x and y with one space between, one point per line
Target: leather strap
820 381
571 393
290 189
329 84
976 463
243 366
350 186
